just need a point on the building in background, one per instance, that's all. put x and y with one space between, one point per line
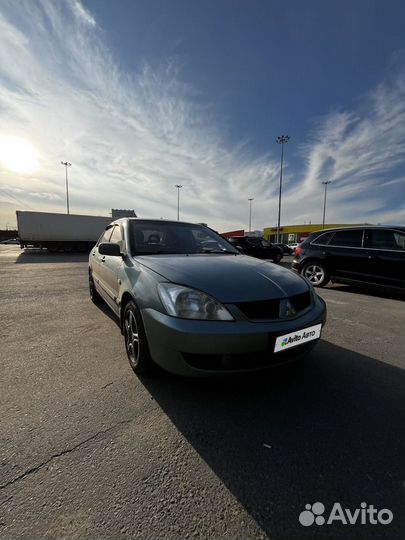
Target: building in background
117 213
298 233
242 232
229 234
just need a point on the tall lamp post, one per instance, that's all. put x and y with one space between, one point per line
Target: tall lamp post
282 139
178 186
325 183
250 214
66 165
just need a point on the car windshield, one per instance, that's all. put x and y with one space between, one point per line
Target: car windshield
163 238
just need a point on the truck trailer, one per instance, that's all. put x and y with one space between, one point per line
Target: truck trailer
59 232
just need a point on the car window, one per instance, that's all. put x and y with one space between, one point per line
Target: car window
105 236
323 238
350 238
384 239
116 236
159 237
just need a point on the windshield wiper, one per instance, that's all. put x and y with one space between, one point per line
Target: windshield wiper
224 251
161 252
158 252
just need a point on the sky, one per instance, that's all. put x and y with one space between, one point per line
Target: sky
141 95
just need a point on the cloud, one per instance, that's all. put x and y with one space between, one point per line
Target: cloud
132 136
82 13
361 151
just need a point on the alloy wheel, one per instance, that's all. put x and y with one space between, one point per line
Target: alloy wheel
131 338
314 273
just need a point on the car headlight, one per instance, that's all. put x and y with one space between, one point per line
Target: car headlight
189 303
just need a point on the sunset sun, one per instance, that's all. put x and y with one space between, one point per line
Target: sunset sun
18 155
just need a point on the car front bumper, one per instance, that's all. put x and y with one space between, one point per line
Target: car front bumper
204 348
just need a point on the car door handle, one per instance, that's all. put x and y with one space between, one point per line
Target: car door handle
102 259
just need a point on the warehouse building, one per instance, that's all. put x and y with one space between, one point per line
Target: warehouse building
298 233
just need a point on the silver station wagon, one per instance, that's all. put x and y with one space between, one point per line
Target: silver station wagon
190 302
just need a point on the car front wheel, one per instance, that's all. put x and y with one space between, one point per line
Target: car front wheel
315 272
136 343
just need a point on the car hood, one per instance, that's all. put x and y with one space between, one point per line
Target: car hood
228 278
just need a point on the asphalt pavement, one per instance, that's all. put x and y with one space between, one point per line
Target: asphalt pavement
89 450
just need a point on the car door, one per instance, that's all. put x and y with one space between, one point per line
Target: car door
97 260
111 267
345 255
386 255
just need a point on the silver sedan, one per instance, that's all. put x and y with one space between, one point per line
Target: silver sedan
189 301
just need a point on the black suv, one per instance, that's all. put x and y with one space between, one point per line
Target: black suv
357 255
257 247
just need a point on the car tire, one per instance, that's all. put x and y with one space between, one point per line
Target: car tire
136 343
277 258
316 273
94 296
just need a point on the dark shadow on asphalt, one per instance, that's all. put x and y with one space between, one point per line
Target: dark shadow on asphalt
30 256
329 430
102 306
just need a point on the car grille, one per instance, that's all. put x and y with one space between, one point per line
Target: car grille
301 301
270 309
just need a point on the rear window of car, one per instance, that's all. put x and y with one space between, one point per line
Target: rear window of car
323 238
351 238
254 241
384 239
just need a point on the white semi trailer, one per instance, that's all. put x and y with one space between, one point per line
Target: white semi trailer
56 232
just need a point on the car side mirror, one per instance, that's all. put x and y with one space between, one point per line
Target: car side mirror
109 248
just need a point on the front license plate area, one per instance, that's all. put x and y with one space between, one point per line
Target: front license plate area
286 342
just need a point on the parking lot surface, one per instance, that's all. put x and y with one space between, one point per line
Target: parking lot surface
88 450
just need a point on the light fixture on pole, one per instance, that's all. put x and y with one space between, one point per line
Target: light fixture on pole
325 183
178 186
250 214
66 165
282 139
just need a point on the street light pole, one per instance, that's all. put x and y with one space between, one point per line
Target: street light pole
66 165
250 214
178 186
325 183
282 139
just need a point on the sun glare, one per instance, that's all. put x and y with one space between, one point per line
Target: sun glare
18 155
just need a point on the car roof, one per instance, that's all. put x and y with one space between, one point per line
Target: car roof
246 236
356 227
153 220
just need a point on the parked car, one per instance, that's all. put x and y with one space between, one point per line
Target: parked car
286 249
257 247
357 255
10 241
195 311
293 246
